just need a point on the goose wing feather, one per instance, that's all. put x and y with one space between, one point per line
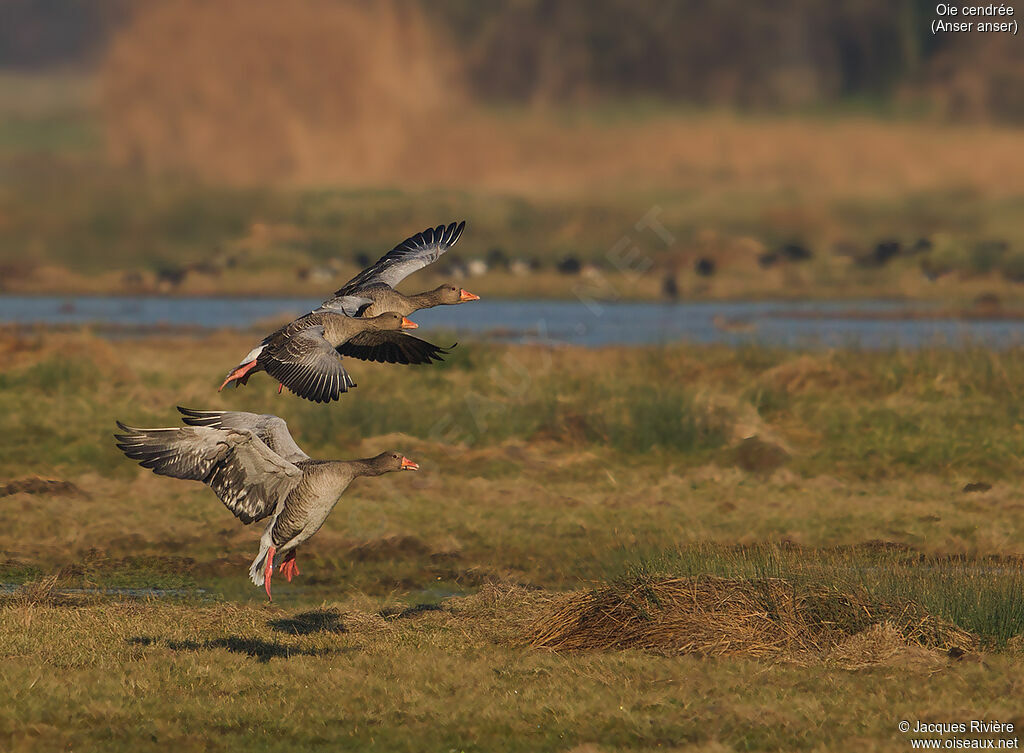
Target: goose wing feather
410 255
386 346
272 430
307 365
249 478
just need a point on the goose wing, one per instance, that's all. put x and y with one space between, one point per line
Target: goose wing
307 365
349 305
271 430
248 477
408 256
386 346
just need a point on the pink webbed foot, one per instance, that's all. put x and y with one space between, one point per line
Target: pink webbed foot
289 567
239 374
269 571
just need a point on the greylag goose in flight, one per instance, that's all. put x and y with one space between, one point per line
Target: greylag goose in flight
306 355
258 471
372 291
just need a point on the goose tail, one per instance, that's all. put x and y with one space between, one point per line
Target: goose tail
241 373
259 564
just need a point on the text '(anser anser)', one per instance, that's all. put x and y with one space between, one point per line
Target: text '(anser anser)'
258 471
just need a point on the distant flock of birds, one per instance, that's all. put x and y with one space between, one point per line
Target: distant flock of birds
251 461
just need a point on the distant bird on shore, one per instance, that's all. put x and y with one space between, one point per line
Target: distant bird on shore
257 470
306 355
372 291
733 325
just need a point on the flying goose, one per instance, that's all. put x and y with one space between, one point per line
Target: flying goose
372 291
305 355
258 471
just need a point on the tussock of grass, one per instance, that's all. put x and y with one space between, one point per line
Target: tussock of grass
982 596
712 616
36 485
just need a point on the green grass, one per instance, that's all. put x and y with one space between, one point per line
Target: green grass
546 478
60 134
854 414
605 464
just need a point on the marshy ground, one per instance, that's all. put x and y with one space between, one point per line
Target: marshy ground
651 548
642 548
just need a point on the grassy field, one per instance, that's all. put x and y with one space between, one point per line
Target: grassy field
657 548
652 548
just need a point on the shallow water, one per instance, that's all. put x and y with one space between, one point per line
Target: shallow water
135 593
787 324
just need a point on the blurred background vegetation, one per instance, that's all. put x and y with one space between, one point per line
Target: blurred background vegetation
789 53
799 149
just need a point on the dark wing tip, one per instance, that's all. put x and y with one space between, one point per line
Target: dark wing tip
455 232
449 236
194 417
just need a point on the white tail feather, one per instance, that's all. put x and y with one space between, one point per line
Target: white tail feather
259 564
253 355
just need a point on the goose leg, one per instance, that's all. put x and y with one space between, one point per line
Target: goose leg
238 373
280 387
268 571
289 567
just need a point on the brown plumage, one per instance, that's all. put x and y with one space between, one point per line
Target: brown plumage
306 354
258 471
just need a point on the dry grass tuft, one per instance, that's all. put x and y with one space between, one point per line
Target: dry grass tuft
37 485
501 613
883 644
39 591
712 616
46 592
755 455
808 373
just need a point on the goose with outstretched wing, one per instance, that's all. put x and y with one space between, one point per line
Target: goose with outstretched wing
372 291
257 470
306 354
